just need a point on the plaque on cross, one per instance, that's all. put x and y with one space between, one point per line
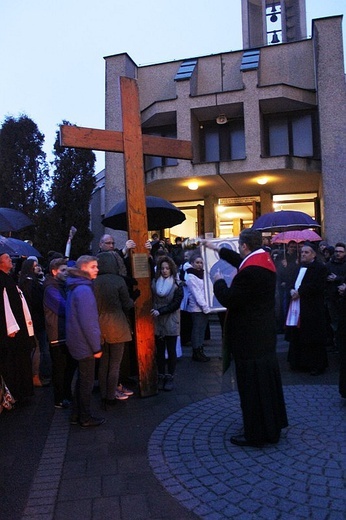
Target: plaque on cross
133 144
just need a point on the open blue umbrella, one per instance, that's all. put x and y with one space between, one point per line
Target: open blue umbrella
161 214
284 220
13 220
16 247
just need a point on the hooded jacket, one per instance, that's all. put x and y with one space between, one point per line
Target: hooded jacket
113 301
83 335
54 304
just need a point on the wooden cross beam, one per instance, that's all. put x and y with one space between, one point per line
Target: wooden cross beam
134 145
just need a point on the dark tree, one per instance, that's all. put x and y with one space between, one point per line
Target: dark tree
73 182
24 172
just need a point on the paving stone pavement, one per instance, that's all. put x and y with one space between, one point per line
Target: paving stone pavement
168 457
301 477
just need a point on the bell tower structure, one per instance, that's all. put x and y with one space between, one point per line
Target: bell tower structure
268 22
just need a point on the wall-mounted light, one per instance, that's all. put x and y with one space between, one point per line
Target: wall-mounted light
221 119
262 180
193 186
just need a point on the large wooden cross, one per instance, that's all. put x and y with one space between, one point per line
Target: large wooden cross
134 145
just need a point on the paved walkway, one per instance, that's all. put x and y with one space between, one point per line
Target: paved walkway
302 477
168 457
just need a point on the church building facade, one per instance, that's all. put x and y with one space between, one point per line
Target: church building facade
267 125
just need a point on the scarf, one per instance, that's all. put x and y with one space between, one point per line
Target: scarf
164 285
11 323
258 258
197 272
293 313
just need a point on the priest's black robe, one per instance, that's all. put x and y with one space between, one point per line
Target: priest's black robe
15 353
250 336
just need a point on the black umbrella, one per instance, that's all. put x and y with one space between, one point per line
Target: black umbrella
16 247
13 220
161 214
284 220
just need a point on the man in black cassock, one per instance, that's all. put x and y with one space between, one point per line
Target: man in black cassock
250 338
15 347
306 327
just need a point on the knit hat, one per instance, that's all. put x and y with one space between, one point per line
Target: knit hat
32 257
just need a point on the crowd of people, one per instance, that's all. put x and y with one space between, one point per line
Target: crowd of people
72 325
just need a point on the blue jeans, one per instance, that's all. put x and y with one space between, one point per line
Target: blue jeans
199 325
84 387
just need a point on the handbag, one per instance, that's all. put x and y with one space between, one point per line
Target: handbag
6 398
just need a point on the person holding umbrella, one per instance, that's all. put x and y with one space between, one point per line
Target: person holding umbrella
306 318
286 265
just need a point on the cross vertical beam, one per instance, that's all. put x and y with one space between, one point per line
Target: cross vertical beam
138 231
133 144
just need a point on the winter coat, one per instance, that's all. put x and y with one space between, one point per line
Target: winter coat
250 322
195 285
15 352
54 304
21 340
312 323
338 268
168 322
250 334
33 292
83 336
113 301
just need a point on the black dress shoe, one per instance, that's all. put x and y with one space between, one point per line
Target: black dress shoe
239 440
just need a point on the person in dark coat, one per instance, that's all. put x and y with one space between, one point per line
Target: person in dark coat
306 318
250 337
341 334
336 273
16 339
33 292
286 266
54 303
114 304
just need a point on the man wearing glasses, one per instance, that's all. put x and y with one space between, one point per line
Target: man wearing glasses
107 244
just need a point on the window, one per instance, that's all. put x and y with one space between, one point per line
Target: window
291 134
222 142
151 162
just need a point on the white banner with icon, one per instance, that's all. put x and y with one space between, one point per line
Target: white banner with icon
213 263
